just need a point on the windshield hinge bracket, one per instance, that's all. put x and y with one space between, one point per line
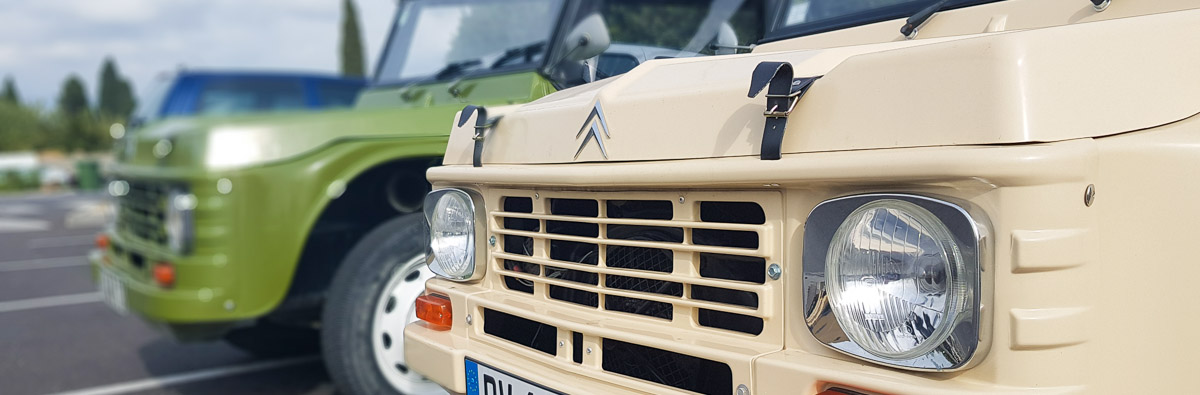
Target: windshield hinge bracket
783 93
482 124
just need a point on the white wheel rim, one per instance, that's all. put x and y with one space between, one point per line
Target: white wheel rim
394 308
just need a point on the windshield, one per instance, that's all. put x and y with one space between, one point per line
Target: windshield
641 30
229 96
803 17
446 39
150 107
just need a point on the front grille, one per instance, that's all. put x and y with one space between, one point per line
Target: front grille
667 368
644 254
628 359
142 211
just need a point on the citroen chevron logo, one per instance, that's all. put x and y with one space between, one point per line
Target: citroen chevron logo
593 128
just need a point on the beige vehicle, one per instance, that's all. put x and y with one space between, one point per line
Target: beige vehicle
1000 202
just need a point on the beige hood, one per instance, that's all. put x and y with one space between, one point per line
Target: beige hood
1050 84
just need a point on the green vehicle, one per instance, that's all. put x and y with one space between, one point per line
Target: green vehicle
269 231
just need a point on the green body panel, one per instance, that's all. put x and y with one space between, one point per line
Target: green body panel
249 240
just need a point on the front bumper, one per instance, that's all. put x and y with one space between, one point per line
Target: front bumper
441 355
185 311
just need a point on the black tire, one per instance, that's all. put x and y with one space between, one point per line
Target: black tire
347 319
269 340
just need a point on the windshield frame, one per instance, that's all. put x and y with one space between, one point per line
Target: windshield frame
777 31
556 31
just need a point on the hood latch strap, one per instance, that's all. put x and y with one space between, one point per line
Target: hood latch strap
783 92
482 124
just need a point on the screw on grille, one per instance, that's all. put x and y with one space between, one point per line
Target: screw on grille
589 350
681 199
774 271
492 241
1089 195
743 390
561 344
468 319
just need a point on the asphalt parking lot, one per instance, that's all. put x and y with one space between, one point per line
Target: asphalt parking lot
56 336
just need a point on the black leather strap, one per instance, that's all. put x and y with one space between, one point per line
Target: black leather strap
482 123
783 92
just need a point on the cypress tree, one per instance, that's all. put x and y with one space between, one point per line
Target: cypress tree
75 115
351 46
115 94
9 92
73 98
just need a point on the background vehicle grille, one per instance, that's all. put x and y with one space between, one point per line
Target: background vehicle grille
647 254
142 211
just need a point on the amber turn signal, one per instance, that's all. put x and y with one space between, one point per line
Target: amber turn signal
164 274
435 310
102 241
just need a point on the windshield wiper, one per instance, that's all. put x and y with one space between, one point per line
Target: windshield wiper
915 22
456 68
526 51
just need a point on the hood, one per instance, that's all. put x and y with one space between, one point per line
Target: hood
1040 85
222 143
229 142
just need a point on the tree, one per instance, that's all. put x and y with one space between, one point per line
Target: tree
75 127
115 96
352 48
73 98
9 92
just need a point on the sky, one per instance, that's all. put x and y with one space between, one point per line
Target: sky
44 41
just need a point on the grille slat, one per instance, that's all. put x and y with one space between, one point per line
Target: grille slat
716 283
628 221
639 295
634 243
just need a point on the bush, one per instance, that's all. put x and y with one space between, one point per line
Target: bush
14 180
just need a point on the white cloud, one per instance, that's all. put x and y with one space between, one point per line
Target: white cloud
46 40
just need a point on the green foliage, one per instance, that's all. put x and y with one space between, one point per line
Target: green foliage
351 46
9 92
73 127
19 180
73 97
115 95
21 128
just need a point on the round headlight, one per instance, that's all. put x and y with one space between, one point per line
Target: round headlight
895 279
452 236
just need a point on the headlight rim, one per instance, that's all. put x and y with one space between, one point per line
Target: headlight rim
969 226
479 254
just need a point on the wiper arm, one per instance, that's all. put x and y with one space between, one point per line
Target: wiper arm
915 22
526 51
456 68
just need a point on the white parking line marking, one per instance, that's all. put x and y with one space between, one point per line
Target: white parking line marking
64 241
50 301
45 263
19 225
183 378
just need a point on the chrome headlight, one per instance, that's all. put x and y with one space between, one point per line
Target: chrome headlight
178 221
455 218
895 279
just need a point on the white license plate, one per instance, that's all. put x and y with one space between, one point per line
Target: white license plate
484 380
112 291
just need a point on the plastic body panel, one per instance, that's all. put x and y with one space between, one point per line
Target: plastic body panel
249 240
1070 281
